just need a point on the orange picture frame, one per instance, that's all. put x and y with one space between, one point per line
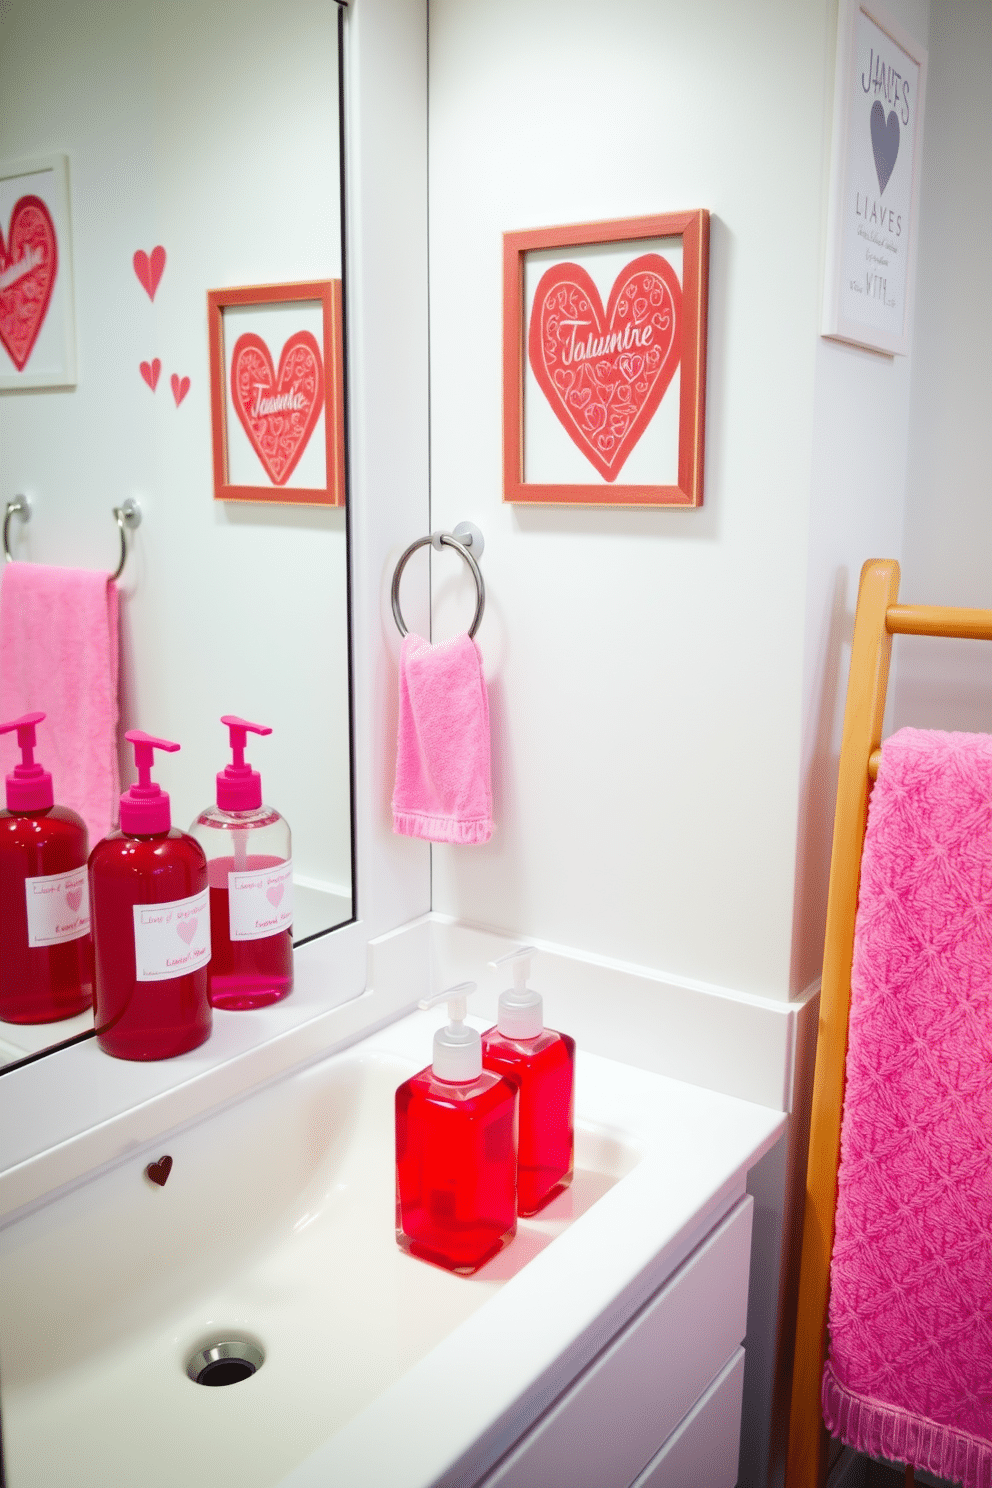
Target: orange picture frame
326 361
693 229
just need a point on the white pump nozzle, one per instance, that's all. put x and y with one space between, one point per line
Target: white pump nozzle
521 1009
457 1049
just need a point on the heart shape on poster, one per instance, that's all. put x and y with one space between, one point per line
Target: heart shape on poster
159 1171
884 143
29 262
604 373
180 387
274 895
74 898
188 929
278 412
149 268
150 372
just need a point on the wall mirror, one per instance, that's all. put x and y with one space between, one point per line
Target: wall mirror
203 153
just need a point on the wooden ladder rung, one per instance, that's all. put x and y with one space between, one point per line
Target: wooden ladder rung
938 620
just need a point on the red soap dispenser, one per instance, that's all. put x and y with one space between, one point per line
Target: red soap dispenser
46 956
456 1151
541 1063
151 925
250 864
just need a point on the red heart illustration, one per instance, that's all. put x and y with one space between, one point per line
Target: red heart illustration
188 929
180 387
74 898
278 413
29 262
149 269
150 371
625 358
159 1172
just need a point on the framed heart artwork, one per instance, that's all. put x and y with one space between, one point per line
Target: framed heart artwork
277 393
37 322
604 362
880 85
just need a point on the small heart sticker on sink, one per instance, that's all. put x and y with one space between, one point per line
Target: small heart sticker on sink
158 1172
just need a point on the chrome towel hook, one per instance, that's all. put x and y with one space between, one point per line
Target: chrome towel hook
127 516
465 537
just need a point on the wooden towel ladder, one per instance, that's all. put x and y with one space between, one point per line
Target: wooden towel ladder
877 620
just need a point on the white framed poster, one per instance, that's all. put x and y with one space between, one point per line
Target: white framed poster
37 326
879 95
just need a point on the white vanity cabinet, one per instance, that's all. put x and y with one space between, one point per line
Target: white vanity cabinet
660 1407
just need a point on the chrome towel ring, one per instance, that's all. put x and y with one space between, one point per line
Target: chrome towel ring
464 537
127 515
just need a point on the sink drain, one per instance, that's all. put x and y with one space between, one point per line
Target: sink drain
225 1363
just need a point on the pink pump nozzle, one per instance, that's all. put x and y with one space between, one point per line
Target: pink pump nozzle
239 787
145 807
29 787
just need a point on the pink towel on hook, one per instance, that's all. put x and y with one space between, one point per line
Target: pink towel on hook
442 756
59 655
909 1368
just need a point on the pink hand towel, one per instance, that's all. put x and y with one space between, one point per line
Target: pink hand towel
909 1368
442 756
58 654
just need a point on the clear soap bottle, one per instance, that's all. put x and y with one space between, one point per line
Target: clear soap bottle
250 862
541 1063
46 955
151 925
456 1151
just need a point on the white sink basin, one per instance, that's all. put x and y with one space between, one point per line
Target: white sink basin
276 1225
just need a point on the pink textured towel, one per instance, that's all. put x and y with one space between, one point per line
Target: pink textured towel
442 755
909 1368
58 654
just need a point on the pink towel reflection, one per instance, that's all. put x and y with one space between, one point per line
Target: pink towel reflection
59 654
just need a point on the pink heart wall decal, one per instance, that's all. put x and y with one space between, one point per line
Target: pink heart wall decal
150 372
180 387
29 262
604 373
149 268
277 411
187 929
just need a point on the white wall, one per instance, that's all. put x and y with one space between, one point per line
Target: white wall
947 556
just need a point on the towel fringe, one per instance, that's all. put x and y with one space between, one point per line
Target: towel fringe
442 828
882 1430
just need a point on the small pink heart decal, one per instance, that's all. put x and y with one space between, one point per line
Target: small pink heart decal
274 895
74 898
150 372
159 1172
187 929
180 387
149 269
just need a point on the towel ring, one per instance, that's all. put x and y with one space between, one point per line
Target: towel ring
127 515
463 537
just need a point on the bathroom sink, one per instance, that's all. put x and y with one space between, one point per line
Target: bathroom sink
275 1227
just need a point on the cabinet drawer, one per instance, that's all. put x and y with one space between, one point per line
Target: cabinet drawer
614 1418
704 1449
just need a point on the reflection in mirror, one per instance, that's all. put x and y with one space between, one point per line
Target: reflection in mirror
200 141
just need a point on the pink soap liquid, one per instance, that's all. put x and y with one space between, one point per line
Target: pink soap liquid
245 974
144 1020
542 1069
40 984
455 1169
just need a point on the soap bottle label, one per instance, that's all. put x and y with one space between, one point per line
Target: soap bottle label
261 901
171 940
58 907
